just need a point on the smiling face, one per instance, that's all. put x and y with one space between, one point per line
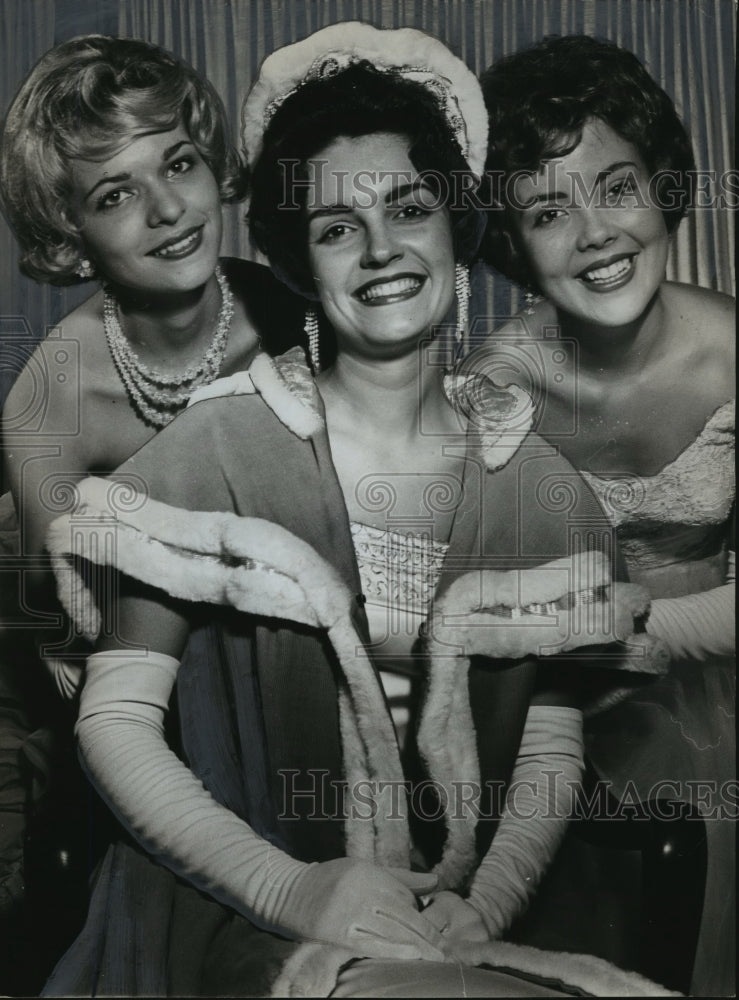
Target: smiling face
150 216
594 242
380 245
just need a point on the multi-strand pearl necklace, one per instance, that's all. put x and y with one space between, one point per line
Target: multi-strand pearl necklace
158 397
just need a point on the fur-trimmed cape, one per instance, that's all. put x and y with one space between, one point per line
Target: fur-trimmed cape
249 516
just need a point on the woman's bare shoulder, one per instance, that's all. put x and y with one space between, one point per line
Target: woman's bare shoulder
85 320
521 350
701 309
704 321
52 373
81 330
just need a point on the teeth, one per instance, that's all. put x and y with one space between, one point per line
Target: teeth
616 270
389 288
173 248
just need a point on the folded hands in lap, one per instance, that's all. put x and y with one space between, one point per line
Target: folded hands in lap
457 921
364 908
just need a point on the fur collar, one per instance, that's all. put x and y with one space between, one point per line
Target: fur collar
260 568
501 417
286 385
312 970
514 614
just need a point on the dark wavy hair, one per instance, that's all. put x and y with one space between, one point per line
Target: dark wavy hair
88 98
538 101
354 102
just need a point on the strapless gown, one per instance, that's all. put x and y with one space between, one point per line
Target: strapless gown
673 530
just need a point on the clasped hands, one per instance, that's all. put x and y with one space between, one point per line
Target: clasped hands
375 912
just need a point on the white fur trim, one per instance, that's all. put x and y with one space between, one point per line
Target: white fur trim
500 445
502 416
462 624
295 414
483 632
257 567
258 589
239 384
285 384
446 740
593 976
311 971
412 53
516 588
359 837
375 727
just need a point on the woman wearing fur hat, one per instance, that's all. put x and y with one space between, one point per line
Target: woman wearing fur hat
300 850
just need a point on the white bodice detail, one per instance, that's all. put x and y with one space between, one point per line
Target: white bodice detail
399 574
675 514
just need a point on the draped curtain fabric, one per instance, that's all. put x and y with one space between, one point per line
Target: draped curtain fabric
688 46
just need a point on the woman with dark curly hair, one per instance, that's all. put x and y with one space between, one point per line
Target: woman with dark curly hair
284 838
592 172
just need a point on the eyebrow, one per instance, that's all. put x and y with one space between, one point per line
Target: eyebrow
117 178
318 213
395 194
404 189
618 165
599 177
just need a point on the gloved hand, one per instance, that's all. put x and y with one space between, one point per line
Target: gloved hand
697 626
359 906
343 902
554 608
538 807
458 922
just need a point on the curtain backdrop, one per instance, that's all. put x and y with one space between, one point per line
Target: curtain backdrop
688 46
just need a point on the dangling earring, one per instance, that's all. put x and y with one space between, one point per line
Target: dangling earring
84 269
462 284
530 300
311 331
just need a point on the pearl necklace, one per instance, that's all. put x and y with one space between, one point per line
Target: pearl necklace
158 397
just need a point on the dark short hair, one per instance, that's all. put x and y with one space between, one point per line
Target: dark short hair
88 98
356 101
538 101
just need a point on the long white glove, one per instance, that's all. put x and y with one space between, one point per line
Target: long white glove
698 625
345 902
538 807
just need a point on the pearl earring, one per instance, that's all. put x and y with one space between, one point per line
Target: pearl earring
311 331
462 285
85 269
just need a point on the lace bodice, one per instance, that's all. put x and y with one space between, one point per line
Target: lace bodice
398 570
678 513
399 574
